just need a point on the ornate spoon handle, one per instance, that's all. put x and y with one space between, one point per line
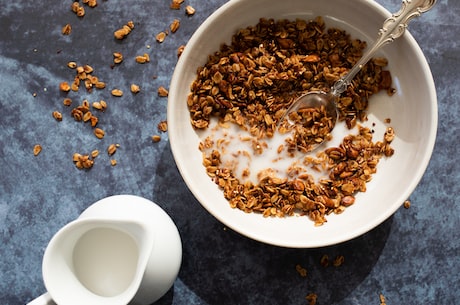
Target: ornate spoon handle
393 28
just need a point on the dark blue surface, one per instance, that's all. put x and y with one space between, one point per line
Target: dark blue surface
412 258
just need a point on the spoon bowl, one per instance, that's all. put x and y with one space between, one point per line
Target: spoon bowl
393 28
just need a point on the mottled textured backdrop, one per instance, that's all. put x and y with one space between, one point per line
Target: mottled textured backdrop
412 258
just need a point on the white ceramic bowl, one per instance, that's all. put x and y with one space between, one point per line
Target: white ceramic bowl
413 113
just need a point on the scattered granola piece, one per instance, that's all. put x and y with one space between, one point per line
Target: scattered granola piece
117 92
156 138
324 260
338 261
57 115
82 161
113 162
302 271
142 59
162 91
163 126
175 4
311 298
189 10
124 30
160 37
382 299
407 204
64 86
180 50
94 153
135 88
112 149
66 29
174 26
37 149
117 57
99 133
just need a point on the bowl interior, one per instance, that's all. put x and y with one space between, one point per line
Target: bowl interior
413 113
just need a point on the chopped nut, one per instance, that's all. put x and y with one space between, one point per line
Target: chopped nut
67 29
57 115
156 138
99 133
174 26
163 126
37 149
117 92
160 37
112 149
113 162
189 10
135 88
162 91
64 86
180 50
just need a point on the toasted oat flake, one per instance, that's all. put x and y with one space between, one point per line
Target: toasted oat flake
113 162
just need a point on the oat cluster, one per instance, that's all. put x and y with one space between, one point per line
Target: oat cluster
253 80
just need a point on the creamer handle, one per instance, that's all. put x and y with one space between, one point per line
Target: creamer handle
44 299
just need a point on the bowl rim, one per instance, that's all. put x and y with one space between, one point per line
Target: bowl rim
333 240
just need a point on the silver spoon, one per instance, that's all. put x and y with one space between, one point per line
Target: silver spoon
393 28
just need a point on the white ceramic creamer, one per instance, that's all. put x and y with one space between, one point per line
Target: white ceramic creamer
122 250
